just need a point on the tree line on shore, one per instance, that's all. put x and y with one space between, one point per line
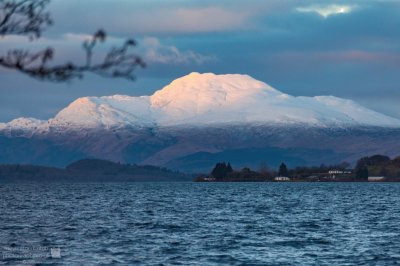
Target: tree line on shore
376 165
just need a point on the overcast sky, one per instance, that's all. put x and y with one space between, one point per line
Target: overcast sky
348 49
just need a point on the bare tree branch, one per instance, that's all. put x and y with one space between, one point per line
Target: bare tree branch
28 18
117 63
24 17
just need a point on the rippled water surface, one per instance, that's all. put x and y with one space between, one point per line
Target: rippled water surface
201 223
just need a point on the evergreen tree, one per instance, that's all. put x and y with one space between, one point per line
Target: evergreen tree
221 170
230 169
283 171
361 169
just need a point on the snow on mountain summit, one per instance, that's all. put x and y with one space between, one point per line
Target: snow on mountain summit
25 123
207 94
106 111
23 126
200 99
234 98
199 91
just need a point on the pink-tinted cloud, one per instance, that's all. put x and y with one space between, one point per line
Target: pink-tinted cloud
191 20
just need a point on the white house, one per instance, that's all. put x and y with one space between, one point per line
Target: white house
333 173
375 178
282 178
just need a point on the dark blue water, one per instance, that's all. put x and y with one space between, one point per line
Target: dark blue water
201 223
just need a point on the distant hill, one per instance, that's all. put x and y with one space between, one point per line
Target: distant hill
88 170
379 165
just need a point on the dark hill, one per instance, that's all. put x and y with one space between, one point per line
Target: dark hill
88 170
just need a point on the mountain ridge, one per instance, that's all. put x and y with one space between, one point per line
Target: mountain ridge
206 99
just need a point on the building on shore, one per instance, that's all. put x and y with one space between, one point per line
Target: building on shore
375 178
333 173
282 178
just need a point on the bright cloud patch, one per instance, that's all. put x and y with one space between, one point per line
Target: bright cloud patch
157 52
73 37
326 11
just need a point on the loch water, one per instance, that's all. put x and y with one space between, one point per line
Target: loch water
200 223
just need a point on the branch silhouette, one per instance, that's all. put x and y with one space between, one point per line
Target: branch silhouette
29 18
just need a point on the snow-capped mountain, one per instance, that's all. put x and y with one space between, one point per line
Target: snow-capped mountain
206 99
199 119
